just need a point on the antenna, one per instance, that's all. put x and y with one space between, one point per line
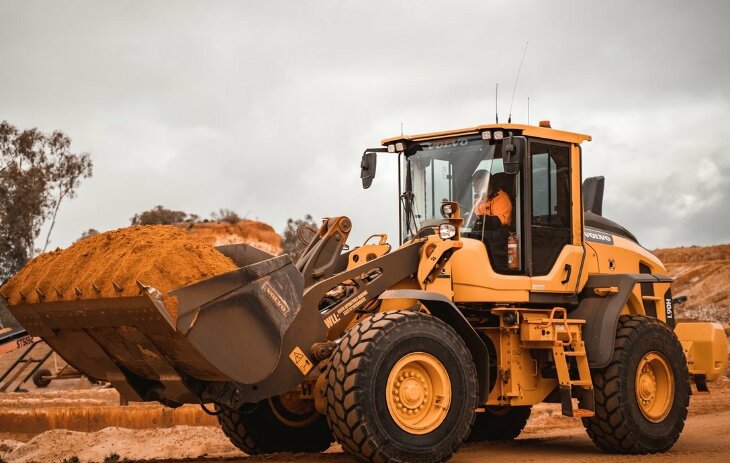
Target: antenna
528 110
401 128
496 98
514 90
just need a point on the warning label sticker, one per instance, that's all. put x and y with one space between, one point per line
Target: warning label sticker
300 360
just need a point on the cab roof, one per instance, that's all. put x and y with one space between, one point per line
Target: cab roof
526 130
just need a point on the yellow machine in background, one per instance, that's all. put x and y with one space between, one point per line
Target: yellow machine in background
507 288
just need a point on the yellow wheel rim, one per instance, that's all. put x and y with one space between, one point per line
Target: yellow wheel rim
654 387
418 393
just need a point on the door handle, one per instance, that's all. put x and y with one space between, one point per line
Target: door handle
568 269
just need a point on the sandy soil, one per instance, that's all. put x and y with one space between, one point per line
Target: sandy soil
548 437
702 274
251 232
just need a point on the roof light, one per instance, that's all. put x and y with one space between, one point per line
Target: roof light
447 209
545 124
498 135
486 135
391 148
400 146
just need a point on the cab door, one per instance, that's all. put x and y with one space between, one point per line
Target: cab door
555 248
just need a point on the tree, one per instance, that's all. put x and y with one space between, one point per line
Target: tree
290 242
162 216
38 172
225 215
87 233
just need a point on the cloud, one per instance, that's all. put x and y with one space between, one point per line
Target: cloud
265 107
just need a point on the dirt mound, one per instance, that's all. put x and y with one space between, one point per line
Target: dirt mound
689 254
131 445
703 275
160 256
251 232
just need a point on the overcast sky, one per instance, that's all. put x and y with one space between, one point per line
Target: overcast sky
265 107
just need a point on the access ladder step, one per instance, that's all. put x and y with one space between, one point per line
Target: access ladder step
579 382
583 413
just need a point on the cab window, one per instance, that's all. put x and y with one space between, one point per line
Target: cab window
551 230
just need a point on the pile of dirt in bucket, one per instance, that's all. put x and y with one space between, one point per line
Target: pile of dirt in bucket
111 264
251 232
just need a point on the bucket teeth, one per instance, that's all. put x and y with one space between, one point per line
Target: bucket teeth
58 293
96 288
22 295
41 294
78 292
117 288
142 286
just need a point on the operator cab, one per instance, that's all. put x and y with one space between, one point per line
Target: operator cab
513 182
468 170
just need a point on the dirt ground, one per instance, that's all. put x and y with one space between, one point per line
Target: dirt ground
548 436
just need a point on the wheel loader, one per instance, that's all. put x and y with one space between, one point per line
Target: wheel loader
403 352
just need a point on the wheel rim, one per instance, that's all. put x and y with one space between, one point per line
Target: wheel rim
654 387
418 393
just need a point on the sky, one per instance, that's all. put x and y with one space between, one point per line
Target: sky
265 107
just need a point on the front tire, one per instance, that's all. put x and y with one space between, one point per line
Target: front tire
401 386
275 425
642 396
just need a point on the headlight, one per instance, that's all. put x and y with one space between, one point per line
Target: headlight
400 146
498 135
391 148
447 231
486 135
447 209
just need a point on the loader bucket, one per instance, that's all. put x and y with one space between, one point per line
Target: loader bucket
246 327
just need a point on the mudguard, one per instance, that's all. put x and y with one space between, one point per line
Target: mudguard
444 309
601 312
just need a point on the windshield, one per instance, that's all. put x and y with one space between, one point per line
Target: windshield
456 169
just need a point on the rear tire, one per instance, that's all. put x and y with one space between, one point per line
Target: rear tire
261 430
643 394
499 423
401 386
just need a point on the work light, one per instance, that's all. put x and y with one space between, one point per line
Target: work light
447 231
447 209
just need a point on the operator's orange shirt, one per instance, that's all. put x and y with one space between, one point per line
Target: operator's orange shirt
497 205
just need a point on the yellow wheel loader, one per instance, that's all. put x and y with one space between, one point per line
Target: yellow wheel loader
507 288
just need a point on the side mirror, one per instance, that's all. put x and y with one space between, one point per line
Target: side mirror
513 151
367 168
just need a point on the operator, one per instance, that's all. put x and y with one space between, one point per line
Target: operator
495 202
492 215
